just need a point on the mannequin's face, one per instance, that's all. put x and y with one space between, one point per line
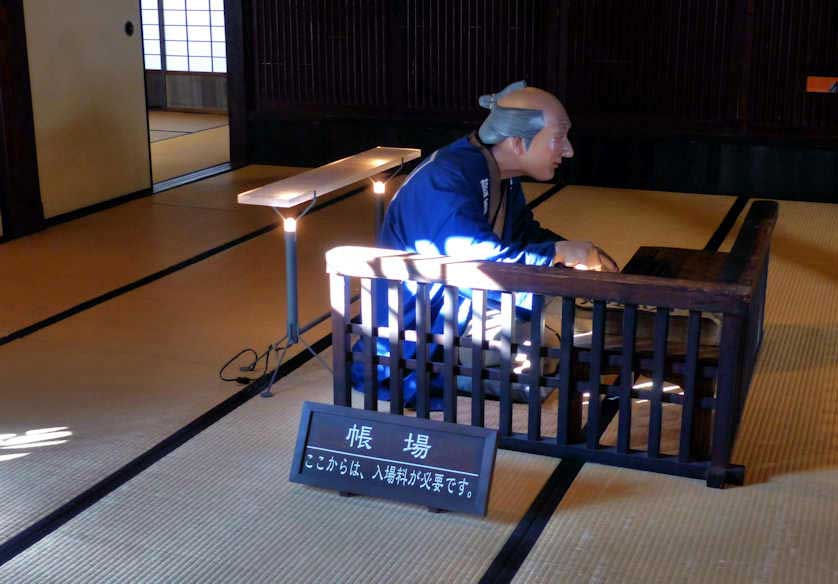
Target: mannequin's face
547 150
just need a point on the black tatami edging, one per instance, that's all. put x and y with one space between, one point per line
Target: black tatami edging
727 224
506 564
37 531
545 195
41 324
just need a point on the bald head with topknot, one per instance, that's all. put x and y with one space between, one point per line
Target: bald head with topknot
537 99
540 158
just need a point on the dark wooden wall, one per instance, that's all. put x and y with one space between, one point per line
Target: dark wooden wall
793 39
720 82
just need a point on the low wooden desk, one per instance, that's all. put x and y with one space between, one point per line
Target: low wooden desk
674 262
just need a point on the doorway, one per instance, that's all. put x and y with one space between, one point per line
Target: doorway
184 52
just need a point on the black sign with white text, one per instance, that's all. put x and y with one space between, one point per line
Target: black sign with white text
437 464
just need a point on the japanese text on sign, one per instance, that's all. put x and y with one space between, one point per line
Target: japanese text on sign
437 464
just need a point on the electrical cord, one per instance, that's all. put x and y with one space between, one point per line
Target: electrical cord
243 379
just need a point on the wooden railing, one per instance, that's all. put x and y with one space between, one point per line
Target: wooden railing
714 379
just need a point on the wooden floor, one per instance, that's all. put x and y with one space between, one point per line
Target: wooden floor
126 373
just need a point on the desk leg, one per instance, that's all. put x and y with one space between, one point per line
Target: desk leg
702 422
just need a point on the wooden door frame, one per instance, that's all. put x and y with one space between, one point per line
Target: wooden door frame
20 192
235 12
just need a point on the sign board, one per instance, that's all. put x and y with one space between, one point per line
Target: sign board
437 464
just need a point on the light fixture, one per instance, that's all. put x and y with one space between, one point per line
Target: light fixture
305 188
378 187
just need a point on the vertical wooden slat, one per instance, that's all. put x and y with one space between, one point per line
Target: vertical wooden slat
659 362
565 430
341 362
536 329
507 315
395 323
690 388
594 398
753 335
626 378
396 70
478 334
423 406
724 427
760 299
369 344
560 23
449 353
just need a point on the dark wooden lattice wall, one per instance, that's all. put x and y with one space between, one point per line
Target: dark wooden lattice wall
337 75
793 39
670 58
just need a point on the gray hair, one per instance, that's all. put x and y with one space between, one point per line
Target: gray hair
507 122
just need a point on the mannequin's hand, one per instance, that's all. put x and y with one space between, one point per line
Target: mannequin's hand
583 255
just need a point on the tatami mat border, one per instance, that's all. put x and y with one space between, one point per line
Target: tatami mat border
511 556
727 224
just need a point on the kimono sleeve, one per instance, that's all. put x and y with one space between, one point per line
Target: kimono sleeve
466 233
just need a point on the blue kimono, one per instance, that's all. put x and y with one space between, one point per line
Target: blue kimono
454 204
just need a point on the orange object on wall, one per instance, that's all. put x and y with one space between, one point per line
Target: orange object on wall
822 84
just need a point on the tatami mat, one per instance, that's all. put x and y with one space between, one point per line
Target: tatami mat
791 420
186 122
129 372
70 263
618 525
188 153
73 262
621 220
534 190
221 509
157 135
